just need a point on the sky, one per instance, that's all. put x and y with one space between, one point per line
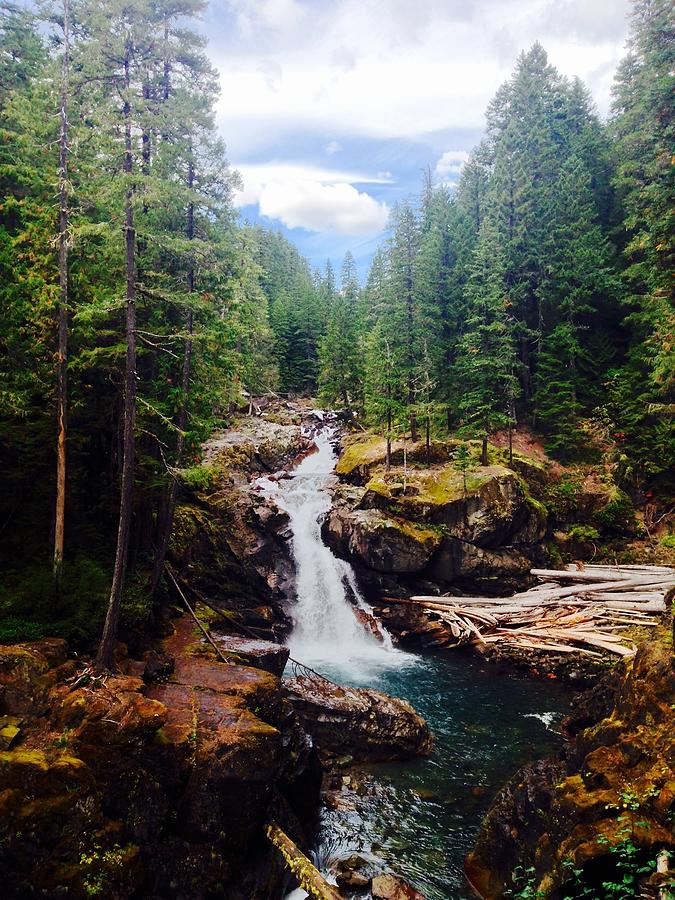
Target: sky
331 109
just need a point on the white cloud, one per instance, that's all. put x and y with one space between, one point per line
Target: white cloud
333 147
312 198
396 69
323 207
450 164
251 15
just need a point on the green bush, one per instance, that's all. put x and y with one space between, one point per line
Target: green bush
618 515
580 534
136 604
560 497
201 478
668 541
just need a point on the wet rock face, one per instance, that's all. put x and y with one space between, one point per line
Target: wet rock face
616 773
380 542
358 724
251 652
391 887
120 788
430 521
229 540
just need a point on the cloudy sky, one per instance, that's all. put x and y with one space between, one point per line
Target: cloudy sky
332 108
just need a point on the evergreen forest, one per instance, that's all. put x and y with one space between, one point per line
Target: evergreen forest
140 312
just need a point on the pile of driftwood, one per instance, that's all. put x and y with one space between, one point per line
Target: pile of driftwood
579 609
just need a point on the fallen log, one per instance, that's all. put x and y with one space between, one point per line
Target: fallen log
582 575
616 567
308 876
594 611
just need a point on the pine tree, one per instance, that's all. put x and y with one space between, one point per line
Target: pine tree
404 313
486 365
384 383
339 359
644 125
580 280
62 353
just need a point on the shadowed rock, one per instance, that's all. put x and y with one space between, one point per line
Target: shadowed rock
358 723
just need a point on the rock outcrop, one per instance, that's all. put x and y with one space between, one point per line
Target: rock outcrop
357 724
119 788
228 540
566 819
430 521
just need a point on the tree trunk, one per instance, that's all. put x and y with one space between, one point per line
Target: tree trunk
405 465
166 523
105 657
484 452
388 457
410 308
427 439
62 354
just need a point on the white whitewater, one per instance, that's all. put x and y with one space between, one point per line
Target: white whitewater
326 634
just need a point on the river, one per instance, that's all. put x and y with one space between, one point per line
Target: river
420 817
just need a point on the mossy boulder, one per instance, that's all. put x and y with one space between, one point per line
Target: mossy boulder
27 673
493 509
363 724
381 542
117 787
361 453
460 560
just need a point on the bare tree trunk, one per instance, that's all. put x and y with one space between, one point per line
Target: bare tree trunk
405 464
427 438
484 452
388 457
62 356
105 657
166 525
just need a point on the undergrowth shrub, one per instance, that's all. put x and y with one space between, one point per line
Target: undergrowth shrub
32 605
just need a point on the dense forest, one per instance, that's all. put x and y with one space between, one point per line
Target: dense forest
139 313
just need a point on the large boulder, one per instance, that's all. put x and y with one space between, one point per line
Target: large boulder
391 887
358 723
119 788
431 526
457 560
27 673
492 510
379 541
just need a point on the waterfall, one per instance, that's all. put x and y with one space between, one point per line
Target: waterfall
326 633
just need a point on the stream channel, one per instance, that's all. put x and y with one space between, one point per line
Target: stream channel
418 817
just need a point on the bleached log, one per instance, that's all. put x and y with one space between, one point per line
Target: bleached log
581 575
630 568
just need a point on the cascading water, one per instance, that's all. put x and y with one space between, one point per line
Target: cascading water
326 635
417 818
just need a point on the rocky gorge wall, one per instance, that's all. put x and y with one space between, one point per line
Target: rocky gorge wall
153 782
593 822
157 781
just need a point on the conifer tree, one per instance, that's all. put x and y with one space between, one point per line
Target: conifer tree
486 363
339 361
644 125
580 279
